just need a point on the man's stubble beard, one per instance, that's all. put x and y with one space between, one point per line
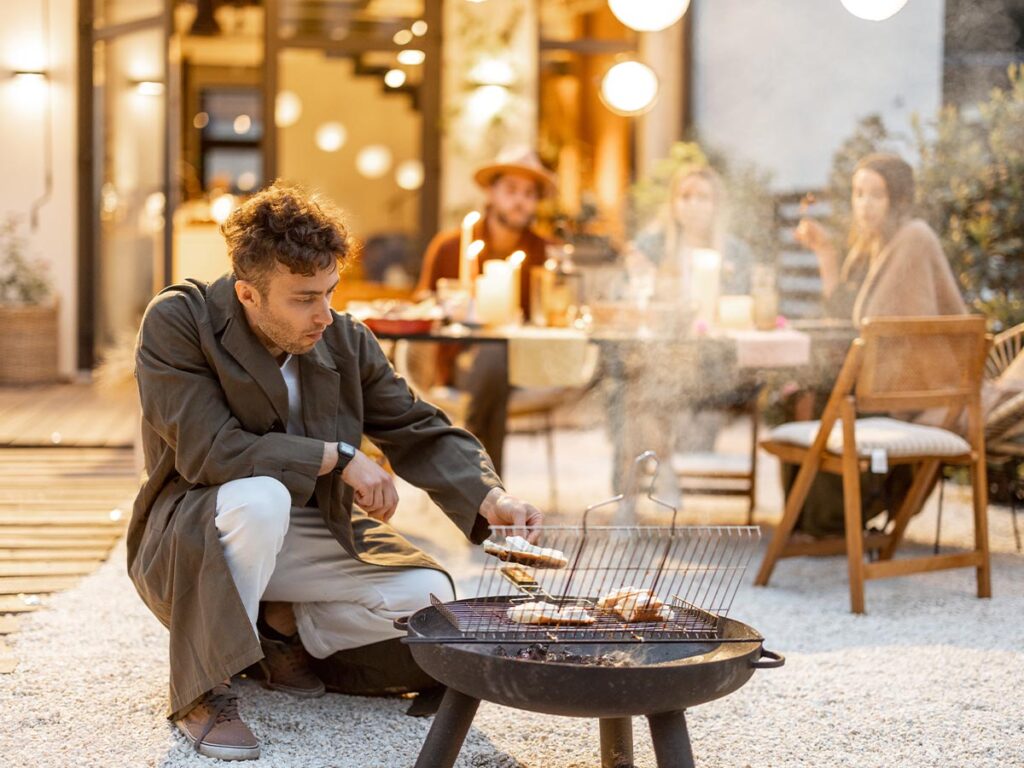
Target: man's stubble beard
506 222
278 333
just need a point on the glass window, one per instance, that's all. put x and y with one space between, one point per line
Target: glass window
130 125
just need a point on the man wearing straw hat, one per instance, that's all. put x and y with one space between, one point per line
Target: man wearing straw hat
513 185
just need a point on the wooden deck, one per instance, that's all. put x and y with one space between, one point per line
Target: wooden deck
84 415
67 480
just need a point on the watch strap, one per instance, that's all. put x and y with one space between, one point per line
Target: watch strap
346 453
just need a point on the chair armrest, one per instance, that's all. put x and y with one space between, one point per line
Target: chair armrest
1005 418
1005 347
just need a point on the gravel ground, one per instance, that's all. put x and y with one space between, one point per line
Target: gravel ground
931 676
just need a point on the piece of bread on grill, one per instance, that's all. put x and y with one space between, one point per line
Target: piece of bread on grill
643 607
519 576
635 604
518 550
616 596
547 613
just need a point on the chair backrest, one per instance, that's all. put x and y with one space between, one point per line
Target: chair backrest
917 363
1005 349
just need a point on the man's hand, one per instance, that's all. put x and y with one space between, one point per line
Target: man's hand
499 508
375 490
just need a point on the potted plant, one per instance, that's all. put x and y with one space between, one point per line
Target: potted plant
28 312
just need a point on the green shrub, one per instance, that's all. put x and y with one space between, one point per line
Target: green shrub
23 279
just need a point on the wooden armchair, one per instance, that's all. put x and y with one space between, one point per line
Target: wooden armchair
897 367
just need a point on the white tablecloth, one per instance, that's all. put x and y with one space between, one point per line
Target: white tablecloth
782 348
549 357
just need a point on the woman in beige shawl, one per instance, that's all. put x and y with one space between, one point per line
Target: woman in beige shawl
895 266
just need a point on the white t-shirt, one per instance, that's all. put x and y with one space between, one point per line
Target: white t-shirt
290 371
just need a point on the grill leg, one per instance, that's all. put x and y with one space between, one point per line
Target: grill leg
451 724
617 742
671 740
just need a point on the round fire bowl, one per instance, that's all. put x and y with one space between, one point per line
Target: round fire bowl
659 676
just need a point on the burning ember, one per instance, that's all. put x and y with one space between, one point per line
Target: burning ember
540 652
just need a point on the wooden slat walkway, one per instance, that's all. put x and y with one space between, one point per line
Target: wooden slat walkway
68 415
61 511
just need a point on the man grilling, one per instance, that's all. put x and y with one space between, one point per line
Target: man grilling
262 531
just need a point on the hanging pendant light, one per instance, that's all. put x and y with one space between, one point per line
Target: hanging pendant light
874 10
648 15
629 88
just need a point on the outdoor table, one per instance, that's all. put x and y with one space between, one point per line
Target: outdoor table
712 363
723 369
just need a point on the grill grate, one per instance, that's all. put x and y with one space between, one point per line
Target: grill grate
691 572
485 621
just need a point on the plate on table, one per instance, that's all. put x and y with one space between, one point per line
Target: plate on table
399 326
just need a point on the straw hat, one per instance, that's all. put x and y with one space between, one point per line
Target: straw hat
519 161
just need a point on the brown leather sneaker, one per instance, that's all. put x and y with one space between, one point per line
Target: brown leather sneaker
285 667
215 729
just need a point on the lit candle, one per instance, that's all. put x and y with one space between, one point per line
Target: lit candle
500 288
466 275
705 283
516 261
473 252
493 297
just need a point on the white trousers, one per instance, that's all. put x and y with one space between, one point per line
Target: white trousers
282 553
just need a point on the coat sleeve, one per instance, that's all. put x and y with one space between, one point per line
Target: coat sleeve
184 403
420 442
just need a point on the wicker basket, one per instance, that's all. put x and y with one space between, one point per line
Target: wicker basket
28 343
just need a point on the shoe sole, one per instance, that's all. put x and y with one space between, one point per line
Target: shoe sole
220 751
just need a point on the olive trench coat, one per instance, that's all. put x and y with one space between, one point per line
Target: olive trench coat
214 406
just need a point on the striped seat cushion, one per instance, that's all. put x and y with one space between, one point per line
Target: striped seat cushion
896 438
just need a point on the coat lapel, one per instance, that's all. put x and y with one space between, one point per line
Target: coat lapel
321 389
239 340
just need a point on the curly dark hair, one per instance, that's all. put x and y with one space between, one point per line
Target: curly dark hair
285 225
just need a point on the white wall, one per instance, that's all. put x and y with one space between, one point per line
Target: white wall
784 82
22 123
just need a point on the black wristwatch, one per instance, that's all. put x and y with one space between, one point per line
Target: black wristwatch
346 453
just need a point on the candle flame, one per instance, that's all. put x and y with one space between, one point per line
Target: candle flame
471 219
517 258
474 249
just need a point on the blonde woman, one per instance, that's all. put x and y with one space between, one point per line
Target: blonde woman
692 219
649 411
